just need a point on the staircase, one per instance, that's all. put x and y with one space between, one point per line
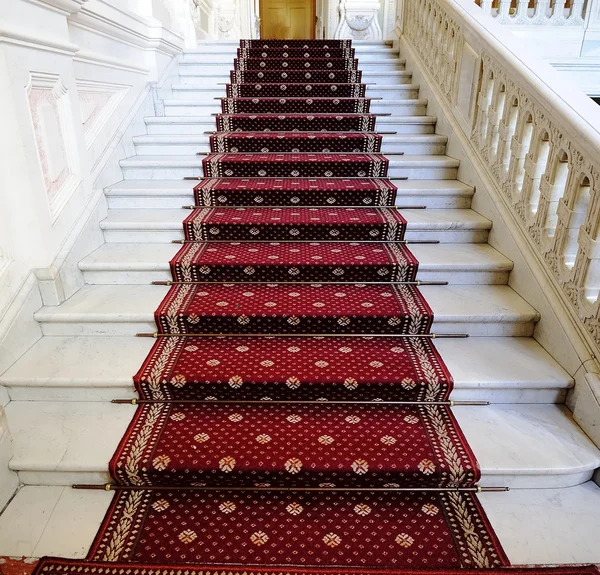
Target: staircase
65 430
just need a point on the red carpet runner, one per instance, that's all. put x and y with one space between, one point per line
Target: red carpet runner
285 203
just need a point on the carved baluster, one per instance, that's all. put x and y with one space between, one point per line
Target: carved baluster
486 6
483 103
542 11
586 271
567 218
522 16
558 12
576 16
491 137
504 11
519 147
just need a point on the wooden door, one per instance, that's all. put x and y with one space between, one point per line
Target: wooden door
287 19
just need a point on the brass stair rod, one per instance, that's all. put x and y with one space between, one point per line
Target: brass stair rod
291 283
156 335
200 178
135 401
313 83
216 132
326 207
323 113
282 97
345 153
113 487
304 241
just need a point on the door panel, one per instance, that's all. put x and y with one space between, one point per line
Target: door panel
287 19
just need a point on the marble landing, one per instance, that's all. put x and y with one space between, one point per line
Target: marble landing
550 526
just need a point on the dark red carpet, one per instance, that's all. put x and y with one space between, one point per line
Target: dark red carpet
276 284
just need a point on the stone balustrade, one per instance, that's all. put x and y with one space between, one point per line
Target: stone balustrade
538 13
535 138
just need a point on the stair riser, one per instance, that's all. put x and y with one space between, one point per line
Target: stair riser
215 79
410 149
497 328
393 64
209 125
500 396
175 173
205 108
204 94
166 235
226 57
128 277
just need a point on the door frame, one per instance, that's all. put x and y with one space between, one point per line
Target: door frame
313 16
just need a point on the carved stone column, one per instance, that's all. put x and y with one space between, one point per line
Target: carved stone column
359 20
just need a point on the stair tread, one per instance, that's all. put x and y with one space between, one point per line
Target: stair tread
210 121
196 161
141 256
525 520
204 139
169 187
111 361
455 303
213 103
82 436
439 219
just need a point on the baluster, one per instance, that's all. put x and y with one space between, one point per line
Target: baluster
504 11
522 16
558 13
541 11
576 16
486 6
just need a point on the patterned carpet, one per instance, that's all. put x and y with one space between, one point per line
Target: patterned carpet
275 282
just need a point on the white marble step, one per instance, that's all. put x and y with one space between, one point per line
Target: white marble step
214 75
187 91
180 125
176 193
217 53
535 526
142 263
161 226
179 167
70 368
202 106
535 446
479 310
366 64
365 58
172 145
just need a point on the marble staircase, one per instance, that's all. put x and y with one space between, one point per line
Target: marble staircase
64 430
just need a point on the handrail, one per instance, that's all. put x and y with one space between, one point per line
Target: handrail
538 139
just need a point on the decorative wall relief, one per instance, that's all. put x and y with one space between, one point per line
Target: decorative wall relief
359 20
228 19
97 102
56 142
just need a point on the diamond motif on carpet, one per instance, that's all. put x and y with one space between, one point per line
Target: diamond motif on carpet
297 309
295 76
291 262
358 224
363 369
295 142
327 90
339 445
295 192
